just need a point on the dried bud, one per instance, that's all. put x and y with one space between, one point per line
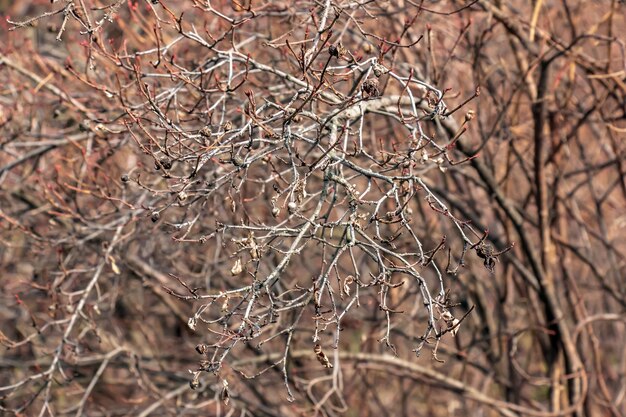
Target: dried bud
332 50
206 131
370 88
350 236
275 211
164 162
202 349
469 115
227 126
224 394
341 50
182 196
292 207
254 248
155 216
125 178
321 357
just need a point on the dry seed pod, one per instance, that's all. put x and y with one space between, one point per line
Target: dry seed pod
341 50
195 382
451 321
346 284
370 88
454 325
321 357
254 249
229 202
224 394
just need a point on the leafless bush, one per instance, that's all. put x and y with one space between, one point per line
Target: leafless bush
219 207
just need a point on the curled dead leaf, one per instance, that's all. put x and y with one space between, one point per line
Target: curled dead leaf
237 268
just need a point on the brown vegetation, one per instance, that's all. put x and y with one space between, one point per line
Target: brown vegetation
287 208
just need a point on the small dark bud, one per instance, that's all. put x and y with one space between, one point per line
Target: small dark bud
125 178
166 163
332 50
201 349
155 216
